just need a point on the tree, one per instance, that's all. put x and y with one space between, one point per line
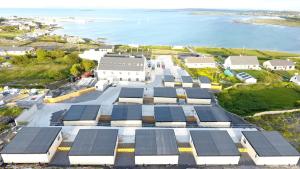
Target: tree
56 54
88 64
41 55
76 70
72 58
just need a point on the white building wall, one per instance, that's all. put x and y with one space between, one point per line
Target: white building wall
81 123
201 65
156 160
121 75
205 85
198 101
170 124
131 100
187 84
160 100
169 84
126 123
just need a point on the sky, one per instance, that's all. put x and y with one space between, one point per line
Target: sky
156 4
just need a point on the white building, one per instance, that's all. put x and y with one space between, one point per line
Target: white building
33 145
246 78
278 64
242 63
169 116
101 85
187 81
92 54
94 147
126 116
131 95
82 115
211 116
204 82
122 69
198 96
295 79
213 147
200 62
15 50
107 48
269 148
164 95
169 81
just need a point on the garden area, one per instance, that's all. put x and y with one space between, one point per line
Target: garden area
288 124
247 100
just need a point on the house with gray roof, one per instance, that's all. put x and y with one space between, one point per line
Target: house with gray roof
200 62
242 63
279 64
122 68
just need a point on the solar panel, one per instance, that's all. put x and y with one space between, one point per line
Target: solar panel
131 92
155 142
82 112
211 114
165 92
169 114
204 79
94 142
186 79
197 93
126 112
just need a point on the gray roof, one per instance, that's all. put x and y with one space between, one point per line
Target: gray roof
169 78
82 112
278 62
169 114
153 142
95 142
213 143
204 79
244 60
131 92
198 93
269 143
211 114
122 63
186 79
106 47
165 92
126 112
32 140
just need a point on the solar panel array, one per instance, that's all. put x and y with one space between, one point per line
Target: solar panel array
169 78
165 92
198 93
131 92
155 142
269 143
213 143
95 142
126 112
186 79
81 112
204 79
211 114
32 140
169 114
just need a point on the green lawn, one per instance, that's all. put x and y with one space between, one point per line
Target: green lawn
247 100
263 76
288 124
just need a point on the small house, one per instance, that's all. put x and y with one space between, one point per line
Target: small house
246 78
169 116
82 115
165 95
204 82
200 62
211 116
169 81
242 63
187 81
278 64
131 95
198 96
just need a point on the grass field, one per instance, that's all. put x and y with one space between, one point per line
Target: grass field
263 76
288 124
247 100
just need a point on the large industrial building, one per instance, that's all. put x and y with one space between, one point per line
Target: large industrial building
165 95
155 146
94 147
269 148
126 115
82 115
210 116
169 81
131 95
187 81
213 147
198 96
33 145
169 116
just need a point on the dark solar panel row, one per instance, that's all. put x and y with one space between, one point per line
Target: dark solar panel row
126 112
82 112
198 93
211 114
169 114
131 92
165 92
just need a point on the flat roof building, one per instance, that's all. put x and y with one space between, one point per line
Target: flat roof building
169 116
126 115
211 116
269 148
33 145
156 147
214 147
198 96
82 115
169 81
204 82
165 95
187 81
94 147
131 95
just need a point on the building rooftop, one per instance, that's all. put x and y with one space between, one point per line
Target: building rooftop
198 93
211 114
169 114
204 79
122 63
186 79
32 140
278 62
16 48
269 143
106 47
95 142
199 60
151 142
213 143
169 78
131 92
81 112
243 60
165 92
126 112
